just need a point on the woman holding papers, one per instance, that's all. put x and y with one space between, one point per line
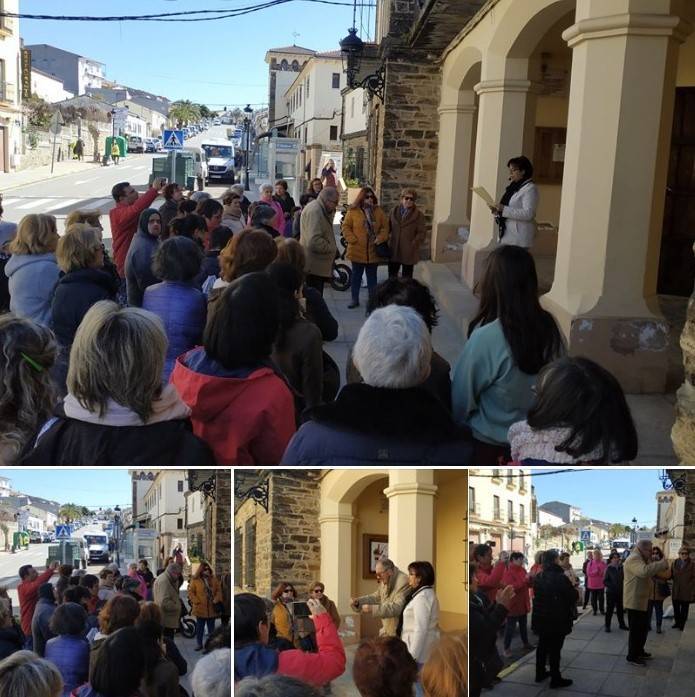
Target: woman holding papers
516 212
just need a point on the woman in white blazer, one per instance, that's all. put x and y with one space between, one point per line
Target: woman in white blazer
420 616
516 212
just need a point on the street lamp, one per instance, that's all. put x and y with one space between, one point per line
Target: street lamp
116 530
352 51
247 124
634 530
113 123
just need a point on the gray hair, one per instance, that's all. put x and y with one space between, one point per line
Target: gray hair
263 187
199 196
386 564
329 193
393 348
274 685
212 674
118 354
173 566
24 674
238 189
645 544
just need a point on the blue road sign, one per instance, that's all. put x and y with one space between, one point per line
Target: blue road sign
585 535
173 140
62 532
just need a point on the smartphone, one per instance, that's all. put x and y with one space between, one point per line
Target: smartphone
164 181
300 609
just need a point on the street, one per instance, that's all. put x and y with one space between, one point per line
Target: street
90 186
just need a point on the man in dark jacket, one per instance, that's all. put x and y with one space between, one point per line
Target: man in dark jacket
554 601
613 581
587 592
485 621
138 263
40 622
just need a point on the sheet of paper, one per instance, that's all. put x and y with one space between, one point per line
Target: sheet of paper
483 193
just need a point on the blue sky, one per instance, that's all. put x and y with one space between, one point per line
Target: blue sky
612 495
216 63
84 486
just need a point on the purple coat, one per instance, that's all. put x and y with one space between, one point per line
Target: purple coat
183 311
70 655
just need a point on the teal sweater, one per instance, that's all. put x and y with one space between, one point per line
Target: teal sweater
488 391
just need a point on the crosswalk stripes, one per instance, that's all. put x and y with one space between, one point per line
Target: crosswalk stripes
35 203
61 204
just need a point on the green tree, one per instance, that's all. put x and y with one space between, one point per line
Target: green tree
70 512
183 112
205 113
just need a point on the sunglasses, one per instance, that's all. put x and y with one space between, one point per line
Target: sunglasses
408 198
317 590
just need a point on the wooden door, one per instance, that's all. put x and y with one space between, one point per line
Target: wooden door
676 263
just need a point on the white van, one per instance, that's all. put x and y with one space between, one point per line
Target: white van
97 546
201 164
220 154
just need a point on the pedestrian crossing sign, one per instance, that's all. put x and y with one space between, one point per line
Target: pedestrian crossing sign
62 532
173 140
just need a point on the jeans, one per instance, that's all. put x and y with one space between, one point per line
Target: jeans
597 597
639 622
315 282
29 642
509 630
357 271
680 613
549 648
394 267
658 607
614 603
200 623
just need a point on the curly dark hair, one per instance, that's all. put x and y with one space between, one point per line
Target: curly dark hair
407 292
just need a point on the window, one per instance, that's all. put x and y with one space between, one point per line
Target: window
352 108
335 81
179 485
510 511
179 523
522 514
300 95
334 133
238 549
284 65
250 553
307 87
522 482
510 478
496 507
471 499
306 135
295 66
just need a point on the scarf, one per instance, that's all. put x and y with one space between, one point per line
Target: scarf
169 407
506 198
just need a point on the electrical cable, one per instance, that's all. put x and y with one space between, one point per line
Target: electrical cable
506 474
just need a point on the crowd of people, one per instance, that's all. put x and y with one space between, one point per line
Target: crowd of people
112 635
284 645
632 585
202 342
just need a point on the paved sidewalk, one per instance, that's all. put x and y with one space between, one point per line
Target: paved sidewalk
14 180
595 661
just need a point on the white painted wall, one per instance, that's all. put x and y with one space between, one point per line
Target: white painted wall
545 518
487 488
355 116
135 126
48 88
165 503
194 508
89 74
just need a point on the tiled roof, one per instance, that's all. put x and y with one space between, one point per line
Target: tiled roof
292 49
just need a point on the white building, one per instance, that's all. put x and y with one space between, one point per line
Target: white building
76 72
165 503
5 486
135 126
10 89
48 87
670 522
283 65
566 511
500 509
546 518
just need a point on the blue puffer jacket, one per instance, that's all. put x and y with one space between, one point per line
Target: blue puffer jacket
32 278
138 262
183 310
70 655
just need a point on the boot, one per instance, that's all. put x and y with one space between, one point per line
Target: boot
559 681
540 677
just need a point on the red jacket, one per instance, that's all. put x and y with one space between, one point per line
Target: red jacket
517 577
316 668
245 420
124 224
28 593
489 580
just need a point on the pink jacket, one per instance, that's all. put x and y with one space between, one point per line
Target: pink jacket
142 590
517 577
316 668
489 580
279 219
595 571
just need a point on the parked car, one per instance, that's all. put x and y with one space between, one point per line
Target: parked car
136 144
47 537
35 537
150 145
220 156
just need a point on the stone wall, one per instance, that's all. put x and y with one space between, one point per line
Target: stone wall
252 511
408 136
296 547
221 555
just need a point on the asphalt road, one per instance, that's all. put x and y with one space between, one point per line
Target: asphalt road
91 189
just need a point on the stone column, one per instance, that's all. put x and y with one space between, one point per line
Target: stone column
336 522
620 119
502 116
411 516
453 184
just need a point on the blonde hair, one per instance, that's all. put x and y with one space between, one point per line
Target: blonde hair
36 234
118 353
24 674
91 217
445 672
78 248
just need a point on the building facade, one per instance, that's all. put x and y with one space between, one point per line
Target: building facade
596 94
501 511
48 87
164 502
212 541
76 72
11 139
566 511
331 525
355 135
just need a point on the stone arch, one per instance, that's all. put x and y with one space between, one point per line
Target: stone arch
461 72
345 486
295 66
284 65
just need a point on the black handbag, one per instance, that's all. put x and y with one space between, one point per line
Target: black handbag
383 250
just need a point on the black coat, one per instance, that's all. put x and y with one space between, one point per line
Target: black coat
11 640
317 311
165 444
613 580
554 602
485 621
74 294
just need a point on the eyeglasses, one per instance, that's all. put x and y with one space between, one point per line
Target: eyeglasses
408 198
317 591
684 554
